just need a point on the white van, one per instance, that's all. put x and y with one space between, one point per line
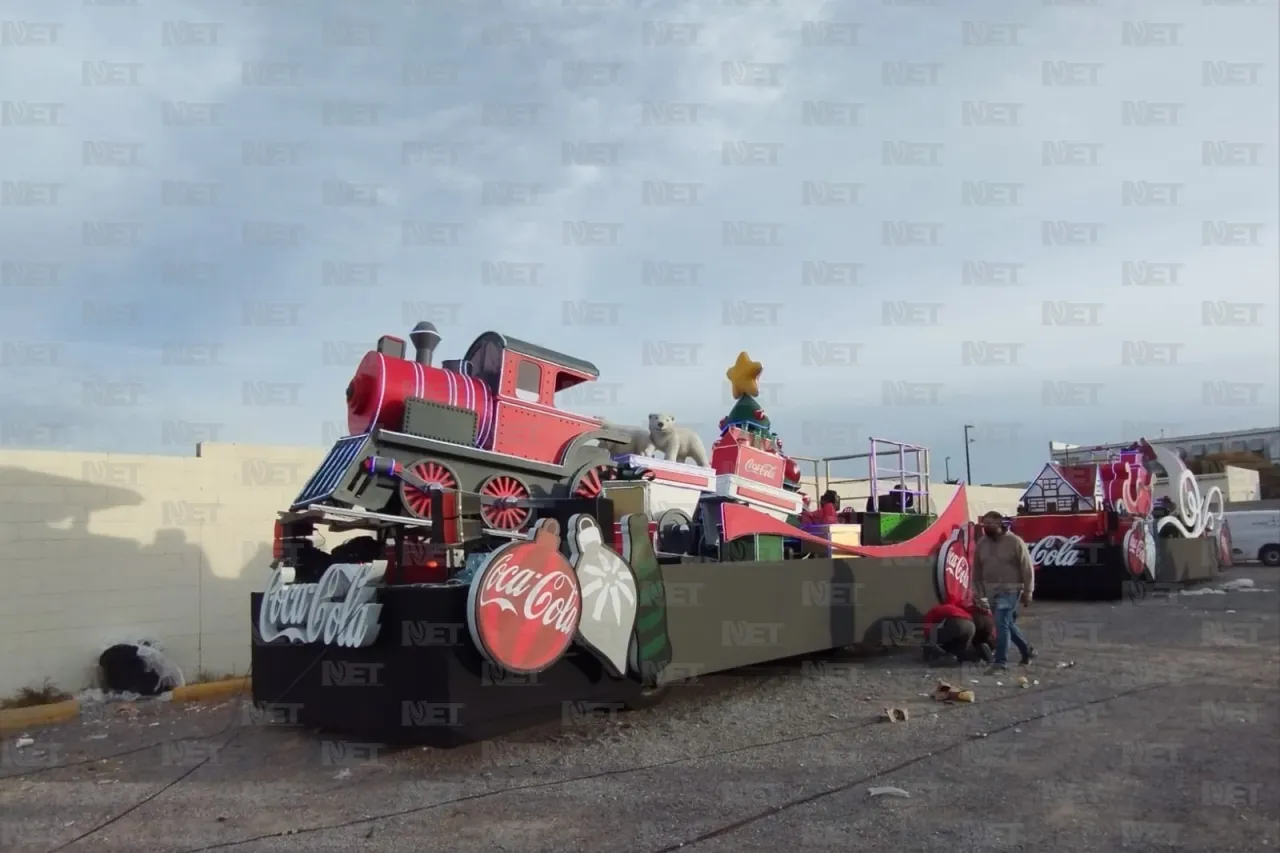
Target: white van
1255 535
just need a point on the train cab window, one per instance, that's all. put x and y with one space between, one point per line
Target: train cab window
486 364
528 382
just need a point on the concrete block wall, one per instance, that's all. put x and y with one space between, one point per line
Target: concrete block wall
102 548
1237 485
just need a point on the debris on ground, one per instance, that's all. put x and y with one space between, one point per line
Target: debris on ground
1066 664
1204 590
1238 583
888 791
1021 681
23 741
895 715
947 693
138 668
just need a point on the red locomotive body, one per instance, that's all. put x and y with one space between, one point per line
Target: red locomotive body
509 384
486 424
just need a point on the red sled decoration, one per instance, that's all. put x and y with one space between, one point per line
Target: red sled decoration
737 521
729 456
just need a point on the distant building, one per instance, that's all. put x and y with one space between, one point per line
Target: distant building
1265 442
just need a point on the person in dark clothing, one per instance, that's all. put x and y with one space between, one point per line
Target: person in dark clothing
957 633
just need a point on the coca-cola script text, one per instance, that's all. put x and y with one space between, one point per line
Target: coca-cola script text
1061 551
547 598
339 610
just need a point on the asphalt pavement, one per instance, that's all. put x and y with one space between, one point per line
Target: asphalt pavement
1148 724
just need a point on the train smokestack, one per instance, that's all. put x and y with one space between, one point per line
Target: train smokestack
425 340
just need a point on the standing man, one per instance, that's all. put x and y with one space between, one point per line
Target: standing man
1004 574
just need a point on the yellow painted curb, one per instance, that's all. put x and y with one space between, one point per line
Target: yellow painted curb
58 712
39 715
211 690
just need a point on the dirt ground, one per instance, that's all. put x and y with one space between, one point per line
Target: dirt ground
1163 734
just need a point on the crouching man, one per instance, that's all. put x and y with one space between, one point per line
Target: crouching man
956 633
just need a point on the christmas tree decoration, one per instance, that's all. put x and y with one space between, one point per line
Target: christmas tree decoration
746 414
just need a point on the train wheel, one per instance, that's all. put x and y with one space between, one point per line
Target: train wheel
501 516
418 502
590 481
675 532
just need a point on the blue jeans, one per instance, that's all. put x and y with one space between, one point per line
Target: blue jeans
1005 605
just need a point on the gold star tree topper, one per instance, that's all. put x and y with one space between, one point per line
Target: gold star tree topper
745 376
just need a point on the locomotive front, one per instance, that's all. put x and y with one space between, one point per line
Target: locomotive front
385 380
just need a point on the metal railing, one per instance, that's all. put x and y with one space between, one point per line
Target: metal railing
912 471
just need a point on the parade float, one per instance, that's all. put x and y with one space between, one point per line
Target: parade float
501 543
1095 527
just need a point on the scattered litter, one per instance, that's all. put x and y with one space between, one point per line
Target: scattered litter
1238 583
24 741
98 737
999 684
964 696
1017 731
1204 590
344 773
888 791
153 725
1037 681
1066 664
895 715
138 667
834 716
979 734
974 681
1231 611
1021 681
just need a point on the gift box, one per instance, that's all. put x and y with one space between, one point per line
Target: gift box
747 462
617 535
750 437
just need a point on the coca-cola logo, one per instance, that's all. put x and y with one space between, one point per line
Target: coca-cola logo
1139 552
525 603
340 610
1224 545
1059 551
764 470
954 578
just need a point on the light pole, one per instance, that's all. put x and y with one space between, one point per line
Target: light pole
968 469
947 463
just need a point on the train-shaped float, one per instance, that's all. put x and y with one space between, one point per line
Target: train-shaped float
487 425
502 540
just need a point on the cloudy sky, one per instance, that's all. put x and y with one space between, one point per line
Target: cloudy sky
914 217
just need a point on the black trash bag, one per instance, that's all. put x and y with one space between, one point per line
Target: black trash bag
137 668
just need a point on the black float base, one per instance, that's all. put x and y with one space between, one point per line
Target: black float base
1178 562
422 681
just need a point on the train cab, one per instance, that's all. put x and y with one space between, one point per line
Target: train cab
524 379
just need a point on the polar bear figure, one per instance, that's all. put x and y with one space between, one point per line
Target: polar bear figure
677 443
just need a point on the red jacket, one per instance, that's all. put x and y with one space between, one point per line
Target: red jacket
825 514
946 610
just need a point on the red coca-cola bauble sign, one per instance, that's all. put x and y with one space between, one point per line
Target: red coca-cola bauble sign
1140 551
953 580
525 603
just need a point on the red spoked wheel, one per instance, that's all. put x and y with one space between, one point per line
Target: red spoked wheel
501 514
416 501
590 481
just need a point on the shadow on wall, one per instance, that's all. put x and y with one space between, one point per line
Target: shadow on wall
73 590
